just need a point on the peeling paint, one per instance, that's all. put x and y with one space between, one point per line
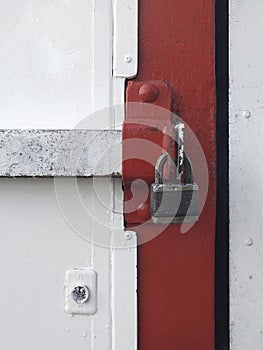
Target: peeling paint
47 153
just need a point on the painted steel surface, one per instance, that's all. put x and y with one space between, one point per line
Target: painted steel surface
245 185
56 69
176 271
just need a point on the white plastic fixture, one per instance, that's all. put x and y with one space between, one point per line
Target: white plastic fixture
81 291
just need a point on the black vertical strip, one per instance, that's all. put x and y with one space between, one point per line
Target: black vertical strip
222 224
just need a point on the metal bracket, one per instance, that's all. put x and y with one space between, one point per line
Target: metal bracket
125 44
148 131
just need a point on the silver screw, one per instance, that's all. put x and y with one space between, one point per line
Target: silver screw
80 294
249 242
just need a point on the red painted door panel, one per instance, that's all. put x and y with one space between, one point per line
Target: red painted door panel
176 271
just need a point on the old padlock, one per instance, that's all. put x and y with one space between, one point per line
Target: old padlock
177 202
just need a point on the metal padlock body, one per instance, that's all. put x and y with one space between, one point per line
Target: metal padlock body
174 203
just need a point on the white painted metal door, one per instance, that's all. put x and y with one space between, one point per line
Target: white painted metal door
56 73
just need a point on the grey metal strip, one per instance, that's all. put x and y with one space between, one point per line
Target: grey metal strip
47 153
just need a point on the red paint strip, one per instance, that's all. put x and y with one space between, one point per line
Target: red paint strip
176 272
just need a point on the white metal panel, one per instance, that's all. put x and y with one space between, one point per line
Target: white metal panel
38 246
55 62
124 293
102 231
246 172
56 69
125 52
124 280
125 58
102 95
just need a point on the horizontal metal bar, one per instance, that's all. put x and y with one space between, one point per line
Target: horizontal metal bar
48 153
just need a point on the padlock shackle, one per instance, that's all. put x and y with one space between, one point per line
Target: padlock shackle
188 171
187 166
159 167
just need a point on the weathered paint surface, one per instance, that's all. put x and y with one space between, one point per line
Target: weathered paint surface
176 272
57 58
38 246
55 62
56 70
46 67
60 153
246 172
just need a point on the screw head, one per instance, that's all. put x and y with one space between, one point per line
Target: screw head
80 294
148 93
249 242
128 235
128 59
246 114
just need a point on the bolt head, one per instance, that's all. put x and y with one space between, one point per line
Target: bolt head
148 93
246 114
128 59
249 242
128 235
80 294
